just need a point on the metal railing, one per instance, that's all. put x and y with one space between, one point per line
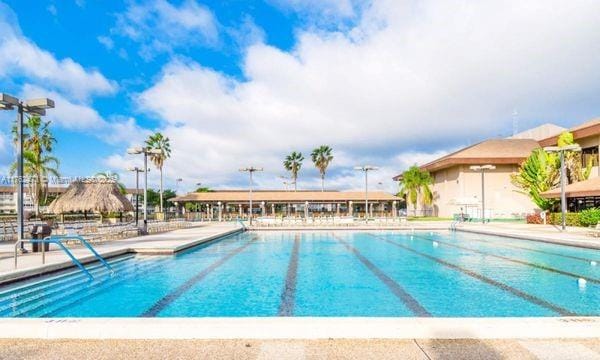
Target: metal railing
58 241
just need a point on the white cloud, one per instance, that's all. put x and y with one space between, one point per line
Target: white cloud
66 114
411 75
18 55
332 9
159 26
52 9
107 42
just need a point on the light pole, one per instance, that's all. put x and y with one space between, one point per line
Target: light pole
34 107
482 169
137 191
563 177
250 170
366 169
144 150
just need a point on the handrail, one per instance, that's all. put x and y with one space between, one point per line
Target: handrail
57 239
244 228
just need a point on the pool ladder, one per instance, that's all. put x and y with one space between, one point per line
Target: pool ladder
58 241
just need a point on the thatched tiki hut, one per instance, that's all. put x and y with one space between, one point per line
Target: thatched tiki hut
92 196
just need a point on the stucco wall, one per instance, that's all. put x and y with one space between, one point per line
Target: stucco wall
455 186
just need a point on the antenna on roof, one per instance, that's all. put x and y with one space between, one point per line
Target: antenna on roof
515 122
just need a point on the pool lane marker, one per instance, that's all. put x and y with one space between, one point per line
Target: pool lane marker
516 261
523 295
411 303
172 296
288 296
590 261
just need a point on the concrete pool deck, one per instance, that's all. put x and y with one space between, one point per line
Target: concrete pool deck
168 243
418 349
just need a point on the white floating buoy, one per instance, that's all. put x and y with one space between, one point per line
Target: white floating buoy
593 263
412 237
431 233
435 244
581 282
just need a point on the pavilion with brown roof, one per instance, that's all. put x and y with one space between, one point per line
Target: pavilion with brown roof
270 202
580 195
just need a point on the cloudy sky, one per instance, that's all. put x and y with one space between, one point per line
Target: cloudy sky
244 82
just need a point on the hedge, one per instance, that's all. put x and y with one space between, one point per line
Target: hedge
573 219
589 217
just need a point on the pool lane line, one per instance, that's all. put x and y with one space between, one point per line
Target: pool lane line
175 294
288 296
534 250
411 303
516 261
523 295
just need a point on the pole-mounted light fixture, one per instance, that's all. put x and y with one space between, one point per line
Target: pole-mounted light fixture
482 169
35 107
250 170
563 177
366 169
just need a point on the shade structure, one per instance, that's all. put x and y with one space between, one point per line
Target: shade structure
590 187
99 195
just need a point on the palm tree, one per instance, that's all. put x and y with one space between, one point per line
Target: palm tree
539 173
37 167
321 157
293 163
158 142
109 175
37 139
414 184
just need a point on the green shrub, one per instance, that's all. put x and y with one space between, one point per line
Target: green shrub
589 217
556 219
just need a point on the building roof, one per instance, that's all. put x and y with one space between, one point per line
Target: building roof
241 196
588 128
590 187
540 132
495 152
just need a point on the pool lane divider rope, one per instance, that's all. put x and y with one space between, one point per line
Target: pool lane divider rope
407 299
288 296
521 294
174 295
516 261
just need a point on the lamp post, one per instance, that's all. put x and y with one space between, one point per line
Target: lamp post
137 191
34 107
144 150
250 170
482 169
366 169
563 177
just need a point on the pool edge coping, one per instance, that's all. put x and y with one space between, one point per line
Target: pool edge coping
301 328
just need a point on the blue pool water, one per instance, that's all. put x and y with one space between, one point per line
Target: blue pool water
342 273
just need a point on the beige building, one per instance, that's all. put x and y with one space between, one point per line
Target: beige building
457 188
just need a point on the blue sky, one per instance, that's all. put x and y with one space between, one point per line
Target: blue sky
241 82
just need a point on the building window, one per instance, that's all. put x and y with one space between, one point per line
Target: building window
589 153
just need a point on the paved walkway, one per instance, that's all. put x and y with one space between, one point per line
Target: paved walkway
166 243
558 349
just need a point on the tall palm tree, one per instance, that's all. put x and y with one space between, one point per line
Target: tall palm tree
293 163
37 140
159 142
37 167
109 175
321 157
416 182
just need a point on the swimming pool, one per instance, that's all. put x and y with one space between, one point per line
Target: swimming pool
343 273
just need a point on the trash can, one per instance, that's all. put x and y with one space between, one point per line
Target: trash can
38 233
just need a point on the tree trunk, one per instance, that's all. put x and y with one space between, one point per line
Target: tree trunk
322 182
161 189
295 183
